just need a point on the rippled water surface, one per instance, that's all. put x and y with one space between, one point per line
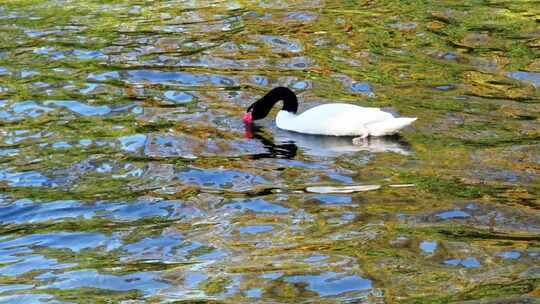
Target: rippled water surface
127 175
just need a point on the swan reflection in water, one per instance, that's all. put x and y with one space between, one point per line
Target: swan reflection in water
286 144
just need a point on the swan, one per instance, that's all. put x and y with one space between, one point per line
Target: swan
335 119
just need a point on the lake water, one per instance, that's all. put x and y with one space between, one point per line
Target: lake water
127 175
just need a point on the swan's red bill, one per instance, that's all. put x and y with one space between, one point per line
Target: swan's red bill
248 118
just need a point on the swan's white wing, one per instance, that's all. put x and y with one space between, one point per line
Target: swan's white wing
390 126
332 119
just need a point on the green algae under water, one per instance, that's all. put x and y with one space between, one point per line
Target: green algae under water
126 175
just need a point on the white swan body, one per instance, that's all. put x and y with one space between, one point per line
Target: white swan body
341 119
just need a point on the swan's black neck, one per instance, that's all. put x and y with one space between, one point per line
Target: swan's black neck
262 107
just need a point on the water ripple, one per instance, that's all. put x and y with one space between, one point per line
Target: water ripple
127 174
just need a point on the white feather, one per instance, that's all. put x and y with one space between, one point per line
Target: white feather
341 119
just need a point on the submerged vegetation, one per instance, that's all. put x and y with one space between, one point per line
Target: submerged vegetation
126 174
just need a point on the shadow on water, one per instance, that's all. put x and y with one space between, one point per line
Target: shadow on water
285 144
286 149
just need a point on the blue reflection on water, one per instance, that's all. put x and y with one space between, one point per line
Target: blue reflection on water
22 110
24 179
282 43
12 255
27 299
256 229
316 258
80 108
530 77
271 275
147 282
509 255
26 211
88 54
178 96
257 205
193 278
467 263
166 245
221 178
31 263
254 292
334 199
165 77
361 87
104 76
453 214
428 246
331 283
132 143
75 241
5 288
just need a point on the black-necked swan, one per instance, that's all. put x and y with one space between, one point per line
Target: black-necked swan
335 119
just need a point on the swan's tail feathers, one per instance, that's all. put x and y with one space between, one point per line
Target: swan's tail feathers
389 126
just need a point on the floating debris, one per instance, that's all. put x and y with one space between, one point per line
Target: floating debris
402 185
345 189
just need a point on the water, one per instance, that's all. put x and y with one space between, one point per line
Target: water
127 175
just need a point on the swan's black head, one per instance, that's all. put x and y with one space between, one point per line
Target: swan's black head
261 108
